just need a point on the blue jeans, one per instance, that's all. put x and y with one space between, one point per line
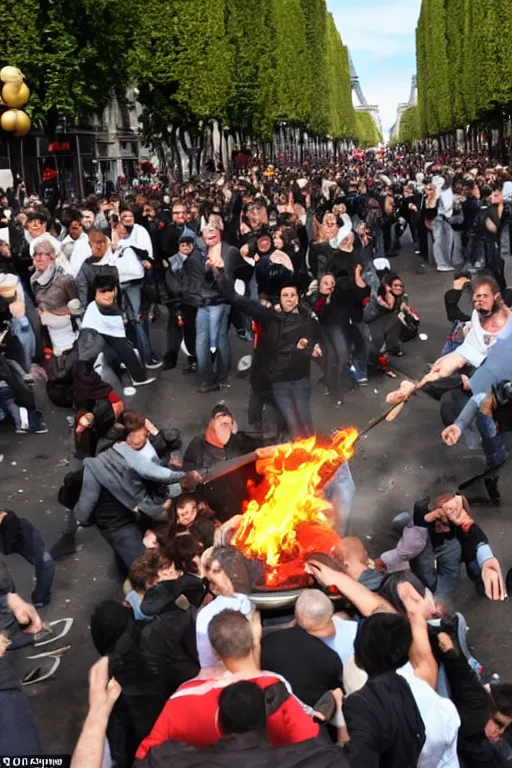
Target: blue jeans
212 344
28 418
340 491
33 551
443 242
439 568
23 331
126 542
293 398
132 295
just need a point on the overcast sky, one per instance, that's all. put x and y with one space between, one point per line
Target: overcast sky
380 35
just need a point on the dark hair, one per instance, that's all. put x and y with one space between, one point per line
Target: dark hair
382 643
145 569
501 698
230 635
108 622
389 588
104 282
242 708
38 215
182 550
481 280
133 420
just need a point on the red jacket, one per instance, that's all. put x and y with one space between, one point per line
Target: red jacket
190 716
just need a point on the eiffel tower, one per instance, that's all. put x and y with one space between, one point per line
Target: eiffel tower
363 105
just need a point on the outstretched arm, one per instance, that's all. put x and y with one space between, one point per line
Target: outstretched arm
366 601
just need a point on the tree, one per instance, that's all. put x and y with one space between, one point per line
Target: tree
409 130
367 133
315 17
342 120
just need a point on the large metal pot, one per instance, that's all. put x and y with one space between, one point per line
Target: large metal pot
275 599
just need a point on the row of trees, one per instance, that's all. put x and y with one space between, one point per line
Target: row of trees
247 66
464 67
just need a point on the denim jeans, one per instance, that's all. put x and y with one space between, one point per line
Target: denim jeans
18 730
26 418
439 568
336 347
23 331
212 344
123 351
443 242
126 542
293 398
33 551
132 295
361 339
340 491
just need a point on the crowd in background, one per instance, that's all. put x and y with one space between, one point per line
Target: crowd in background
298 262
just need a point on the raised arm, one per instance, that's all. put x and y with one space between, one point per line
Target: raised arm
366 601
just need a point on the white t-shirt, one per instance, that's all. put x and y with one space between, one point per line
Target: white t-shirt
478 341
342 642
441 721
236 602
109 325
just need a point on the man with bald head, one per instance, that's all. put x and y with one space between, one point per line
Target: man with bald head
301 655
353 558
314 613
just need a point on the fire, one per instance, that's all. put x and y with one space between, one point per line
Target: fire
287 515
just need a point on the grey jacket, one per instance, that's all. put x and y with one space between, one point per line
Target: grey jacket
123 472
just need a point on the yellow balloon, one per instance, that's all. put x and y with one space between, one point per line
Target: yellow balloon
23 123
15 94
8 120
11 75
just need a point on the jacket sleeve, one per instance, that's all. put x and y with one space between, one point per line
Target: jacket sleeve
451 303
82 288
290 724
363 747
469 696
252 308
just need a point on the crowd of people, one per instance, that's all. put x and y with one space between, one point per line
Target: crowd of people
371 667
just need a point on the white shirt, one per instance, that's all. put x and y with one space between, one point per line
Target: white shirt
109 325
128 263
441 721
81 252
140 238
478 341
342 642
68 245
235 602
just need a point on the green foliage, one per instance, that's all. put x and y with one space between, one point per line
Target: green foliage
367 133
342 117
249 66
409 131
464 67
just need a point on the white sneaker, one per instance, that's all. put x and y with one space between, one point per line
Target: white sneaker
129 391
143 383
446 269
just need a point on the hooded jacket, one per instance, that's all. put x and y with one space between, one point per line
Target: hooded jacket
384 723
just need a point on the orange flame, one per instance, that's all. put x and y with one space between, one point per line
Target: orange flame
287 515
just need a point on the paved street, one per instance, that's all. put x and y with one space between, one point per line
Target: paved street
398 463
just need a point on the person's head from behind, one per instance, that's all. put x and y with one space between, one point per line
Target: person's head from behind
382 643
98 243
220 428
44 255
313 613
230 635
352 556
227 572
487 298
109 621
185 552
105 290
36 223
501 711
289 298
136 434
242 709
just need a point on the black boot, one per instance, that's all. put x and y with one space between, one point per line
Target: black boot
66 543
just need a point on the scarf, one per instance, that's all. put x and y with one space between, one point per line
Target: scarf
211 437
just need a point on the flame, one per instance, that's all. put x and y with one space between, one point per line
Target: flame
287 515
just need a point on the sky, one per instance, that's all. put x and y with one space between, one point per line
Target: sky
380 35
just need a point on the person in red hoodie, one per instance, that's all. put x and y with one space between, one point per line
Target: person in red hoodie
191 714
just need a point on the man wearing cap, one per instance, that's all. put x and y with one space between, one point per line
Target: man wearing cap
221 442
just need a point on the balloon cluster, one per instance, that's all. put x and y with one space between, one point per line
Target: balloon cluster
14 93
